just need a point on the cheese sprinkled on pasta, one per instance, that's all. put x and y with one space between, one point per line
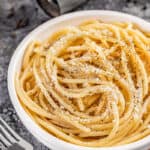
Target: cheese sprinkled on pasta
89 84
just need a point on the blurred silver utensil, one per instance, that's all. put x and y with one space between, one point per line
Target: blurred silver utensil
10 140
57 7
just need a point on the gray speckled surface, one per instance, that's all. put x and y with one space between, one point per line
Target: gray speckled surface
17 19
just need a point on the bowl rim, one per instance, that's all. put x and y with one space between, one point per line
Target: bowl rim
43 136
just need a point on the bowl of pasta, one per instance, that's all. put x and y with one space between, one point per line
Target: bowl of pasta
81 81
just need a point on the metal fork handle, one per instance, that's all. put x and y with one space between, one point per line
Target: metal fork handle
9 138
15 147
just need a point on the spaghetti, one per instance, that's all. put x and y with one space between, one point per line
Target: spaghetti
89 84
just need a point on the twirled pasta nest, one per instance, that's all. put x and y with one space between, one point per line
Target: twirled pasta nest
89 84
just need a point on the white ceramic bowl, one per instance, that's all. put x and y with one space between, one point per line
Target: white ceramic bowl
42 32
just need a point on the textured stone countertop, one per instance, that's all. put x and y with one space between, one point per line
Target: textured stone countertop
17 19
